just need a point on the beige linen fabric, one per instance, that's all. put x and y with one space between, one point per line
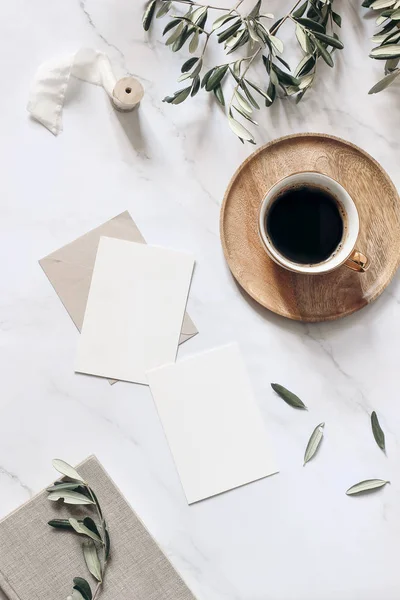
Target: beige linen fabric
38 562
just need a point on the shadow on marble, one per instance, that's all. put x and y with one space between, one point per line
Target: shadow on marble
200 129
130 123
365 314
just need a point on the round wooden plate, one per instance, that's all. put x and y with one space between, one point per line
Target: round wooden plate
312 297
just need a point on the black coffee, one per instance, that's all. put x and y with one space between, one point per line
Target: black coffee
305 224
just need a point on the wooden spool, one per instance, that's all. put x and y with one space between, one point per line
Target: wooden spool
127 94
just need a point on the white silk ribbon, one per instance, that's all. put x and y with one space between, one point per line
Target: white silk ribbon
47 96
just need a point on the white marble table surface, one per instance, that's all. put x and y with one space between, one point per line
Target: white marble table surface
295 536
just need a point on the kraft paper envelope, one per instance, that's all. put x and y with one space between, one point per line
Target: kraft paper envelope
70 268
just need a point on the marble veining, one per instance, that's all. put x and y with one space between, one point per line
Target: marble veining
294 536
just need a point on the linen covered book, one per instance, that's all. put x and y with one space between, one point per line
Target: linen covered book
38 562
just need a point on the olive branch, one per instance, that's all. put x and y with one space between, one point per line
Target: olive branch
314 23
74 490
388 40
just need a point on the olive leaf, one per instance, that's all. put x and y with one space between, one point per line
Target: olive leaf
176 34
92 559
391 65
216 77
381 20
229 31
385 82
195 86
83 587
276 42
252 32
65 524
239 39
244 114
324 52
83 530
284 78
65 469
178 97
69 497
377 431
196 15
302 37
366 486
171 25
90 524
243 102
219 94
381 4
330 40
310 24
258 89
60 524
255 11
163 10
148 14
301 10
386 51
305 65
288 396
285 64
93 495
249 95
306 81
182 39
206 77
314 442
63 486
337 19
194 42
315 23
239 130
221 21
107 543
189 64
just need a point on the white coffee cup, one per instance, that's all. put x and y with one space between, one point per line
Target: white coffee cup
345 253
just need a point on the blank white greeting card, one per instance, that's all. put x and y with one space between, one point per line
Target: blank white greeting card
135 309
212 422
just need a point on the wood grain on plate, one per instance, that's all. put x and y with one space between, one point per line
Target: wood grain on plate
312 297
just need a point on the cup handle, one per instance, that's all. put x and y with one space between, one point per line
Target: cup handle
358 262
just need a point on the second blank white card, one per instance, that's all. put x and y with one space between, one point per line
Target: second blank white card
135 310
212 423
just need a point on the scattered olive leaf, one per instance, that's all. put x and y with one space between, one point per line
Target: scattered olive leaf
377 431
288 396
314 442
366 486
